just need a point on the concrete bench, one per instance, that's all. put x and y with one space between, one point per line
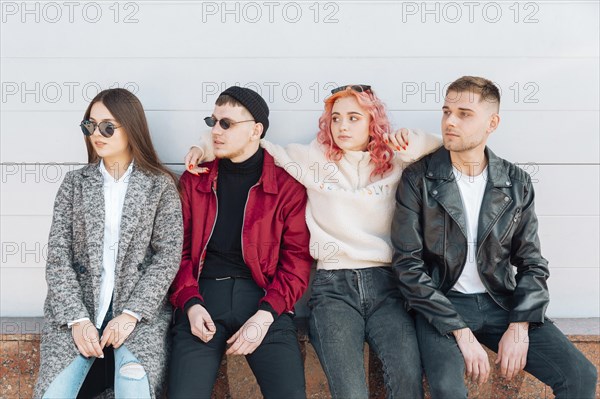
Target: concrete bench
19 362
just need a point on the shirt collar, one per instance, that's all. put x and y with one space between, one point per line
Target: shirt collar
110 178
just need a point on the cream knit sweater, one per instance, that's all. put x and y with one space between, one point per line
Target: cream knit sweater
348 214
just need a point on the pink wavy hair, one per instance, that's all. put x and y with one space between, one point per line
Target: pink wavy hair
381 154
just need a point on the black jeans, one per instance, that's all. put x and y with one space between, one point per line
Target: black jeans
276 363
551 357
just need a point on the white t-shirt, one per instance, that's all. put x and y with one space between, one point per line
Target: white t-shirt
471 190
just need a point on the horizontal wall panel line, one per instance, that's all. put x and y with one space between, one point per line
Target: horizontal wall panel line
548 2
310 57
306 57
564 216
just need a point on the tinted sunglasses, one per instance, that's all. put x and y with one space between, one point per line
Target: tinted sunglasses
224 123
107 129
358 88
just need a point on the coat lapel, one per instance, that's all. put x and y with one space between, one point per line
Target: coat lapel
93 216
496 198
136 196
448 196
444 189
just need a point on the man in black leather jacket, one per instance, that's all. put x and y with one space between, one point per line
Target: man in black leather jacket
464 220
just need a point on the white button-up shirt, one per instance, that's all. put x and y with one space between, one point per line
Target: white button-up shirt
114 198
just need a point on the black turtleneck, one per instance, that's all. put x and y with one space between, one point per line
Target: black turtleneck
224 252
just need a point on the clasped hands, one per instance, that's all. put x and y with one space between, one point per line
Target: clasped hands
243 342
88 341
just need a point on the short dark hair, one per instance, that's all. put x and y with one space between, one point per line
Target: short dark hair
482 86
225 99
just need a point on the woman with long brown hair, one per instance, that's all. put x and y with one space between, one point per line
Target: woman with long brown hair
113 250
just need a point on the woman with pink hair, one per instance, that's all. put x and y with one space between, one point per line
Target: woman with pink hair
351 171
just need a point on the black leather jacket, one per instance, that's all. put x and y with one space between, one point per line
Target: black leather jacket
430 241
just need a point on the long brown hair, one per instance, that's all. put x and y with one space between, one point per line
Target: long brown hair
128 112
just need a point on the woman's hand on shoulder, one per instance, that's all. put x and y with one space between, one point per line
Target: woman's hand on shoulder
397 140
193 158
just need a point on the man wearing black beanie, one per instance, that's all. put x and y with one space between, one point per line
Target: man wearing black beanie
250 100
245 260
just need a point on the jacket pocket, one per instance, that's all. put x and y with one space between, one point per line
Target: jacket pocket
513 222
323 277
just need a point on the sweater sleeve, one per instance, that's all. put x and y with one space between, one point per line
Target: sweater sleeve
419 145
205 145
293 158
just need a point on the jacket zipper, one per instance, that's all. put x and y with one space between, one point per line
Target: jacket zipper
512 222
358 172
477 257
209 237
244 220
441 284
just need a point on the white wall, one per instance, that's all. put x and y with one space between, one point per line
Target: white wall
177 56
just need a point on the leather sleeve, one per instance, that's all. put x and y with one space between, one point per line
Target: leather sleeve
531 297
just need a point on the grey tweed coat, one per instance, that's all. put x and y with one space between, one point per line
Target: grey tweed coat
148 258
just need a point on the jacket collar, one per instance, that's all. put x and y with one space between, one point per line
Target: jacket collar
496 198
440 168
268 177
106 174
92 170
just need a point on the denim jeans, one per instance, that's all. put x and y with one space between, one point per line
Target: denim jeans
349 307
551 357
131 381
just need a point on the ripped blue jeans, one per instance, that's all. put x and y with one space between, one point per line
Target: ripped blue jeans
131 380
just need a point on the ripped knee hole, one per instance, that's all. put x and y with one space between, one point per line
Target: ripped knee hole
132 370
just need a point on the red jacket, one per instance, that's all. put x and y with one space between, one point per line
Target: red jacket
275 239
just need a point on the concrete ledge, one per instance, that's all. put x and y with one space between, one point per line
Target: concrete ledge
19 362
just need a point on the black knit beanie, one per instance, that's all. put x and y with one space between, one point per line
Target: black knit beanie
253 102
